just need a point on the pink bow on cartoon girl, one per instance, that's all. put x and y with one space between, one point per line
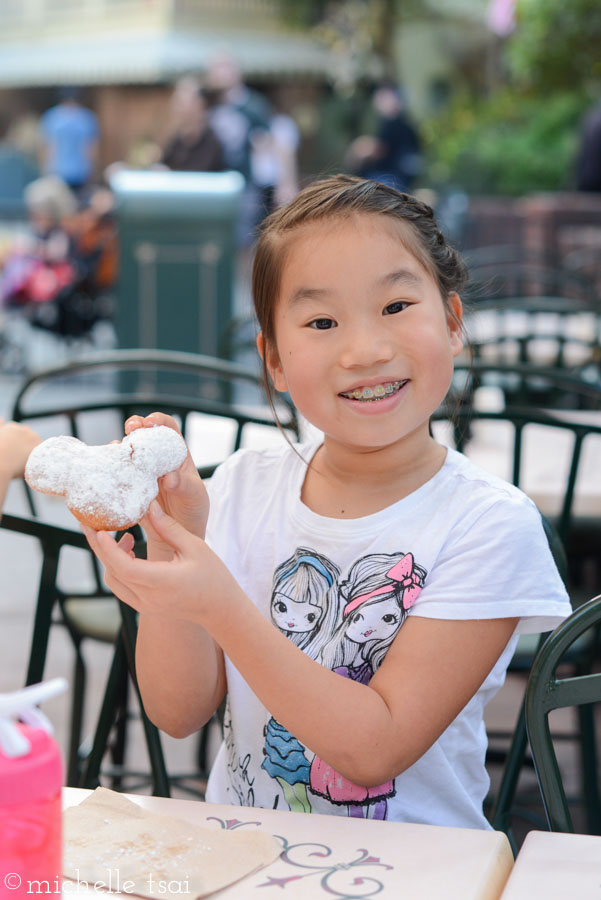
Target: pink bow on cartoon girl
404 575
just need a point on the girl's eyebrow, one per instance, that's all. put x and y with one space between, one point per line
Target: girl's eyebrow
392 279
401 276
307 293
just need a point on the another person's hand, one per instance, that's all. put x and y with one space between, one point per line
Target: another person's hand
182 494
16 443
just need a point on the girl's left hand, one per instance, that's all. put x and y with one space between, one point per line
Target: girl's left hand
193 585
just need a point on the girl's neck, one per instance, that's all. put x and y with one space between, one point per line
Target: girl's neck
348 482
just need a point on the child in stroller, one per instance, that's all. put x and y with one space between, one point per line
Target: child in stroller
59 276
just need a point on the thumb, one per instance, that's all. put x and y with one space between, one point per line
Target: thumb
169 530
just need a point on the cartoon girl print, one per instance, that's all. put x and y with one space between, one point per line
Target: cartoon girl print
379 590
304 606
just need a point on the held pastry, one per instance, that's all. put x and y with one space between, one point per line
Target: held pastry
109 487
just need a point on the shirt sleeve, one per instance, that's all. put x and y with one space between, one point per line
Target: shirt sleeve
498 566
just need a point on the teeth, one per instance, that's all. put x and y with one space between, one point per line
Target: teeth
376 392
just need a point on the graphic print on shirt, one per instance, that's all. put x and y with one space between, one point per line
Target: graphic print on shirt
379 590
241 781
304 606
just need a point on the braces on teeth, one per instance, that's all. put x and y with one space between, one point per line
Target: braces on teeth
375 393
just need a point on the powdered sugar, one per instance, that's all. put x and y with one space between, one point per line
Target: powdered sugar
113 483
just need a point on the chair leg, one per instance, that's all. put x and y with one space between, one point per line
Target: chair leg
90 777
589 768
160 779
43 617
120 739
500 817
79 686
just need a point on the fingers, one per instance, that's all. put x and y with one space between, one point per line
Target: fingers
117 560
127 544
155 418
169 530
121 591
123 549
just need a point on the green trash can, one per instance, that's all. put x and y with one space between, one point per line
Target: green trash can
177 258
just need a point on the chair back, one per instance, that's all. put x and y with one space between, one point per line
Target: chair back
546 691
217 403
492 415
554 331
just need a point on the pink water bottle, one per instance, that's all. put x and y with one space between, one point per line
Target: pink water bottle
31 776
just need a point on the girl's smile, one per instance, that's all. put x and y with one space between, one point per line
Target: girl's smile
377 392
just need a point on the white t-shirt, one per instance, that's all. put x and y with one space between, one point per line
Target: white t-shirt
465 545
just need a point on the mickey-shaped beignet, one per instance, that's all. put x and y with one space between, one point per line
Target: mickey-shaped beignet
109 487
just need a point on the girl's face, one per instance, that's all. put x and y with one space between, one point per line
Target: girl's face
297 616
365 344
374 621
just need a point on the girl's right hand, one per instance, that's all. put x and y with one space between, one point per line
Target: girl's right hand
182 494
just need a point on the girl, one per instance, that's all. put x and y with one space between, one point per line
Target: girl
357 297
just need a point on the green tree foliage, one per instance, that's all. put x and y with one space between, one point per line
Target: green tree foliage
556 43
508 144
523 137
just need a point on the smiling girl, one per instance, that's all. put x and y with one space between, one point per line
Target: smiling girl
357 296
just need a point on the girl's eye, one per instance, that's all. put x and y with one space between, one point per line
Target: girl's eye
396 307
357 617
281 607
311 618
389 618
322 324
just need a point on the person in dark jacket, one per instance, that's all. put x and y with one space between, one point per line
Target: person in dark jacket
393 155
588 169
194 146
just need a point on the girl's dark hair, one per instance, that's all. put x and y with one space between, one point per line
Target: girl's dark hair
341 196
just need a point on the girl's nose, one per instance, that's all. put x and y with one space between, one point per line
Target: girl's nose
365 347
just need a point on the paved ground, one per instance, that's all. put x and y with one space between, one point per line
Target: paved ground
19 569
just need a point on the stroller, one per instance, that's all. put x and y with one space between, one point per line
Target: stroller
59 280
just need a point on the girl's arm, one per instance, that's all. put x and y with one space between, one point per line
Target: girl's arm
369 733
179 667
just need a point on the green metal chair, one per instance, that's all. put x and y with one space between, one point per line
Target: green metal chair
89 399
506 277
554 332
514 386
547 691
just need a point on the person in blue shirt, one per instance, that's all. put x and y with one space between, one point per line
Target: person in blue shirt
69 141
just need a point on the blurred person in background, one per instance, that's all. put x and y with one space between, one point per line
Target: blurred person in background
274 161
69 135
240 117
193 145
588 167
393 155
38 266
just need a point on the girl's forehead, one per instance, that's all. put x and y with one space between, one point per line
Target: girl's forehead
329 239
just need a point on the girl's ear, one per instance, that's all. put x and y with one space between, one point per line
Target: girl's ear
269 355
455 323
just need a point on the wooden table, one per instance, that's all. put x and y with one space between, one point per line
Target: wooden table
556 867
340 858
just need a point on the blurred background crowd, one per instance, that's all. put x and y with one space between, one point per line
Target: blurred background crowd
489 109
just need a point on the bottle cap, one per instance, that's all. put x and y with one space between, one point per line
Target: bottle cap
34 776
30 760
